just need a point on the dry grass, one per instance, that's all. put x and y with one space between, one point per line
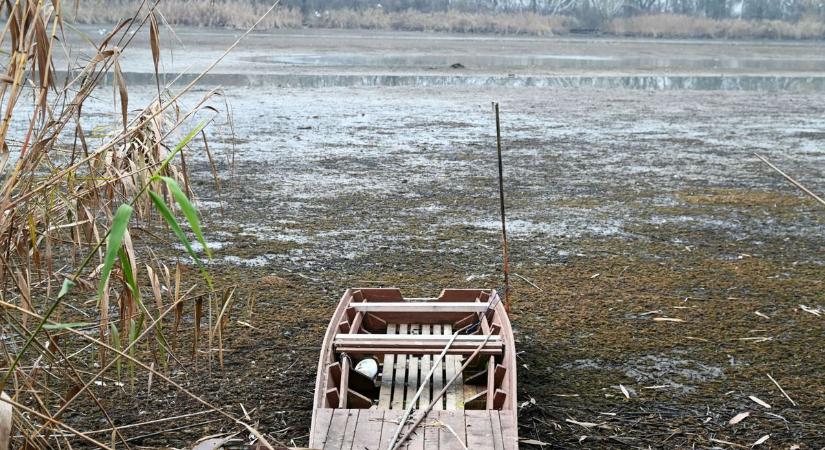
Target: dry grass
449 21
239 15
218 13
679 26
69 206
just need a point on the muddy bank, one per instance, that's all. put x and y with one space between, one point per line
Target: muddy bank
624 209
625 206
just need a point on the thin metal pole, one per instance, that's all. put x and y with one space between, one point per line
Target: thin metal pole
505 248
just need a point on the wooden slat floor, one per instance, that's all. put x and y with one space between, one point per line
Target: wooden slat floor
372 429
403 374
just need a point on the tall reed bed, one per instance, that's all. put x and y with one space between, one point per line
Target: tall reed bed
681 26
83 303
240 14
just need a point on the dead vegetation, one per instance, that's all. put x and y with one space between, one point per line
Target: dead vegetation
241 14
681 26
86 303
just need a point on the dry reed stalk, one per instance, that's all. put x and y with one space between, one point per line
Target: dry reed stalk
123 354
55 196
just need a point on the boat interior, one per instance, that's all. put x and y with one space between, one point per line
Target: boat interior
405 337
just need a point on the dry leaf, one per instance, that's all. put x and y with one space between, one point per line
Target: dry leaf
732 444
738 418
581 424
759 402
815 311
761 440
624 391
211 444
532 442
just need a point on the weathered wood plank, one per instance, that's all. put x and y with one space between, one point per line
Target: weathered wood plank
432 341
388 427
487 350
455 421
452 363
412 369
417 437
426 364
479 431
343 388
337 429
400 375
438 376
368 431
509 429
495 426
320 431
491 377
430 432
385 395
420 307
352 428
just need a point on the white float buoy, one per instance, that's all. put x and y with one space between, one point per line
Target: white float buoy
367 367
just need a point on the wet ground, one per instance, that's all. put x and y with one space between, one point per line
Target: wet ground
661 268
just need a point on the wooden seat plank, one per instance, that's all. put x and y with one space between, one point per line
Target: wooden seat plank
368 431
398 387
488 350
387 376
337 429
420 307
465 339
455 439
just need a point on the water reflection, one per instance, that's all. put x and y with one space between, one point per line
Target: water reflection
644 82
544 62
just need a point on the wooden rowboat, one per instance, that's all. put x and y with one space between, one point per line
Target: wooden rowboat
380 348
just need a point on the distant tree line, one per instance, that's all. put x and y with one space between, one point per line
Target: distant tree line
590 11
